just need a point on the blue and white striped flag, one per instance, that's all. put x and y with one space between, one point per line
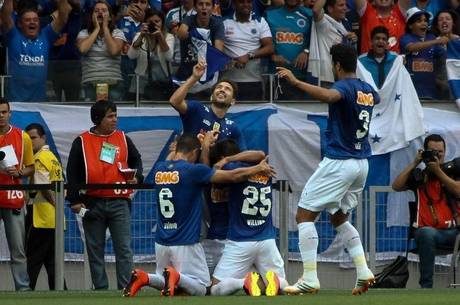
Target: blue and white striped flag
453 68
215 59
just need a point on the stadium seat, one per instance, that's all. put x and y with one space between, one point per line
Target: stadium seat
440 250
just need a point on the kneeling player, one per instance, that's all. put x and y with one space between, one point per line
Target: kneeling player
251 238
180 257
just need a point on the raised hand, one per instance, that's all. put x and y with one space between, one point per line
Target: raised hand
286 74
199 69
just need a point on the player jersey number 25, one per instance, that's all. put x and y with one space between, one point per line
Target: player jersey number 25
254 195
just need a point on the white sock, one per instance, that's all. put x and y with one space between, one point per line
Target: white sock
308 245
191 286
227 286
352 242
156 281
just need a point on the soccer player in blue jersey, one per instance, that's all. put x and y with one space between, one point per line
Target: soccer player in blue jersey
217 198
198 118
179 255
341 175
250 238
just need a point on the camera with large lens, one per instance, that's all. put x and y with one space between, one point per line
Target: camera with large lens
430 155
452 168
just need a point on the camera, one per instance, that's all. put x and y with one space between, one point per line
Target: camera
430 155
152 27
452 168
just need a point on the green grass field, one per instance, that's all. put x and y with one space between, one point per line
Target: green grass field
325 297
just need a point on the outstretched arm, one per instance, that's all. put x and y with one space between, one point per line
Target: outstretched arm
177 100
63 11
400 183
322 94
6 15
318 10
250 156
242 174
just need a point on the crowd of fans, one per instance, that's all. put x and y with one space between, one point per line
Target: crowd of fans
87 49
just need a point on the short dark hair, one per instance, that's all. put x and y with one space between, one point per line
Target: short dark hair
380 29
232 83
187 143
330 3
150 12
433 138
38 127
223 148
195 1
345 55
4 101
100 109
26 6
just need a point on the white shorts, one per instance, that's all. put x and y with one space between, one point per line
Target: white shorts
335 185
213 249
239 257
188 260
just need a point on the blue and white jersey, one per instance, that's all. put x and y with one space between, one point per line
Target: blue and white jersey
178 186
348 122
28 64
200 118
129 28
291 33
250 207
217 200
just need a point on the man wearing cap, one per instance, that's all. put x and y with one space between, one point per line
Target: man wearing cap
421 49
104 155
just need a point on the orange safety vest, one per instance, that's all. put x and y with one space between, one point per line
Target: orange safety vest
433 208
12 199
98 171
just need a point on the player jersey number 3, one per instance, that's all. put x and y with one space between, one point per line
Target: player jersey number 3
253 195
364 118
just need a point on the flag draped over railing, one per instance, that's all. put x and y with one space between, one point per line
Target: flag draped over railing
453 68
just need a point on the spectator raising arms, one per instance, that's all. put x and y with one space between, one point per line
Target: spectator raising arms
331 28
421 49
382 12
153 47
100 45
28 47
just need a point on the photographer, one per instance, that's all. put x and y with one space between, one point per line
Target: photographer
153 47
436 192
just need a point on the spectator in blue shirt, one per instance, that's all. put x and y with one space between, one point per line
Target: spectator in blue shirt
421 49
291 29
28 47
